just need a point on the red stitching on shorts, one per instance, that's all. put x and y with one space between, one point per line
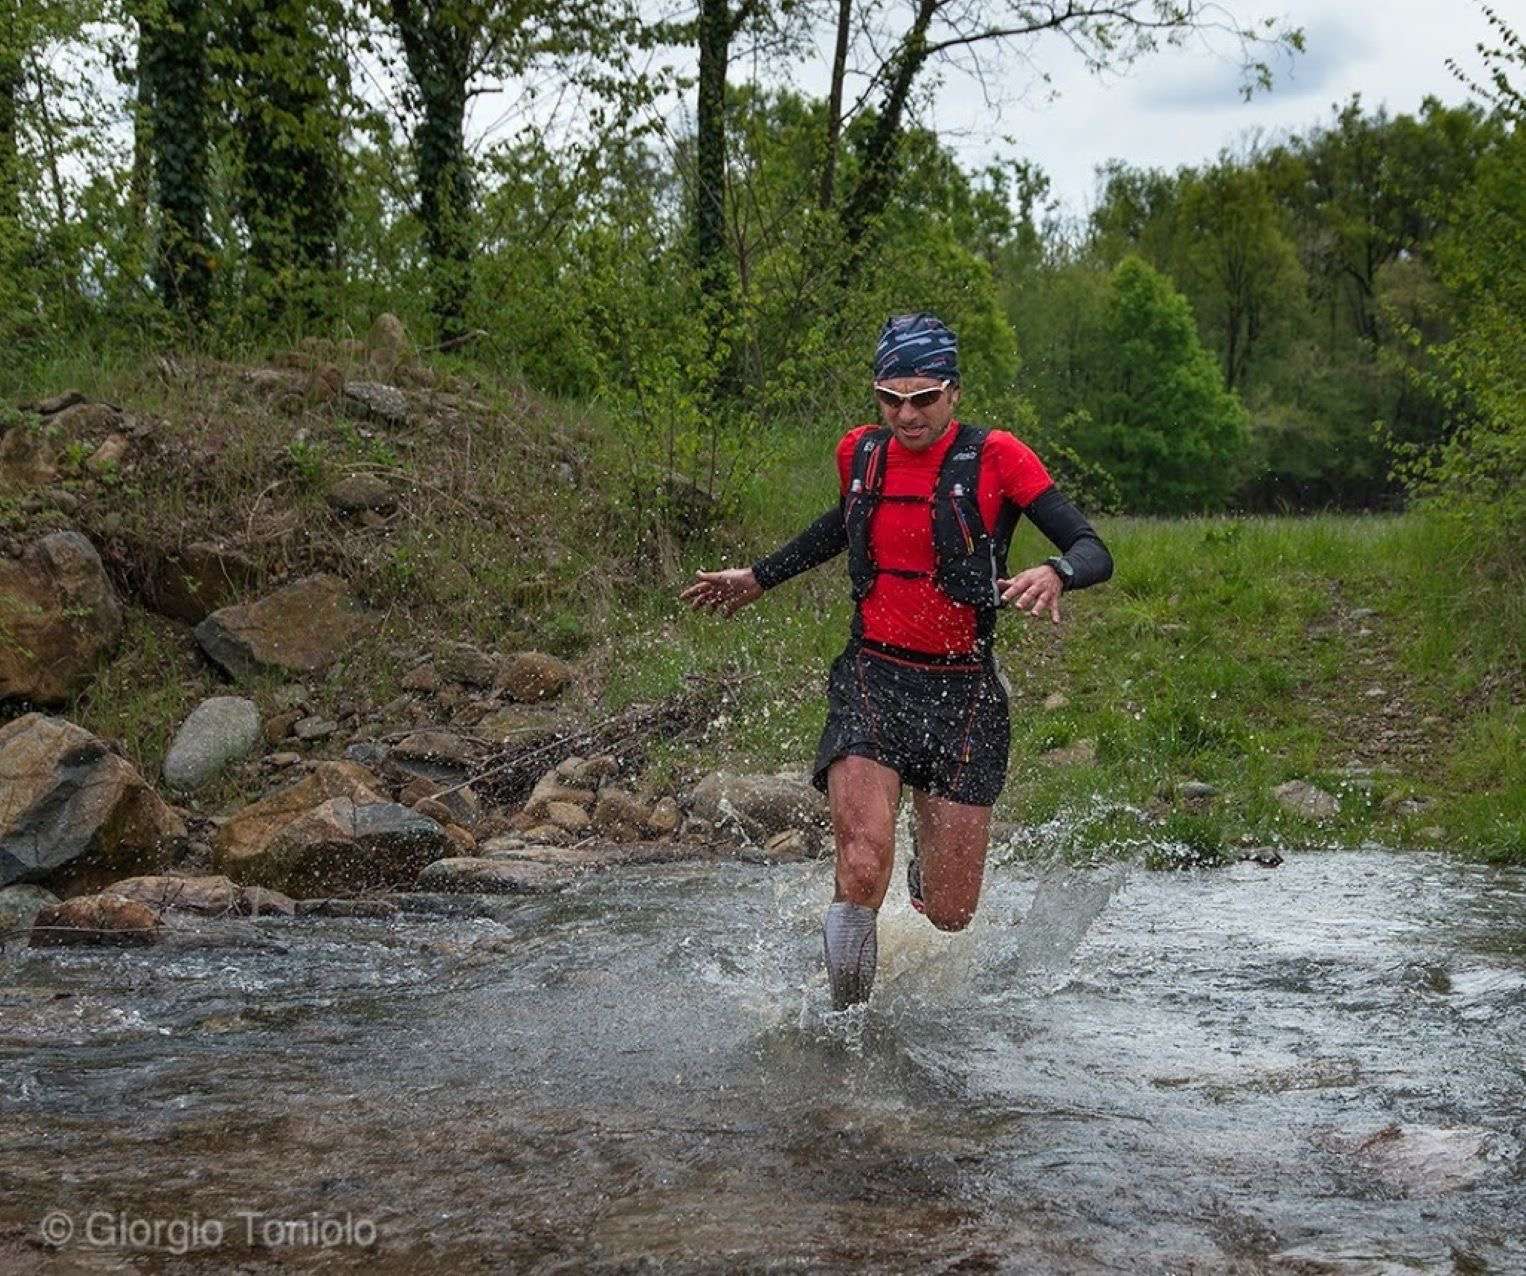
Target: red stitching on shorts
969 729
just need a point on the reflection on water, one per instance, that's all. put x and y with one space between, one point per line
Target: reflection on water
1313 1070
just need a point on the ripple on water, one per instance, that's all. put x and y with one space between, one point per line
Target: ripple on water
1108 1068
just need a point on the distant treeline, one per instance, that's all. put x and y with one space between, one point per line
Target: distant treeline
1271 330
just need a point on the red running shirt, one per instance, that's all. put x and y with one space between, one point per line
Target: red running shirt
915 613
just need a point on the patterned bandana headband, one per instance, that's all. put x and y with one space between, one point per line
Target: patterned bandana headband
918 345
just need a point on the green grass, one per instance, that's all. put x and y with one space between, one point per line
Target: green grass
1231 651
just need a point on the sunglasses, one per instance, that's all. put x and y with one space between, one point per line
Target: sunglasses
918 399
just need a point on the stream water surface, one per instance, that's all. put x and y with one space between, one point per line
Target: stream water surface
1319 1068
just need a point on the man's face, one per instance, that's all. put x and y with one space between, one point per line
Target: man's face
917 427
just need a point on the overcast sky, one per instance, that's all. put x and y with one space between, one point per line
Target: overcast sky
1183 107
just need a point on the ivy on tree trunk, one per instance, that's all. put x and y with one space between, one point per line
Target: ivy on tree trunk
175 75
439 51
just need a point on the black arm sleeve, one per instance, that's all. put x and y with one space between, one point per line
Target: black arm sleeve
1065 525
825 538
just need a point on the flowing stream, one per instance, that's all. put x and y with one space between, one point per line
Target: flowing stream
1319 1068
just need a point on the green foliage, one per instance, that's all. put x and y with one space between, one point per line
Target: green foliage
1475 479
1163 426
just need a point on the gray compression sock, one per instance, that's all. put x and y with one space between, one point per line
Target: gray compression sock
852 949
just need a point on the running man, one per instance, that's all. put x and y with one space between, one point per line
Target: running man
927 512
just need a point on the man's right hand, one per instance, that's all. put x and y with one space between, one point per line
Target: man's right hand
727 592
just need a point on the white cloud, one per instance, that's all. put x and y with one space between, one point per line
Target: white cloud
1183 107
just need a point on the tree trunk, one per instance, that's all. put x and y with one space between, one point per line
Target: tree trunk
289 195
438 50
175 72
10 123
877 180
140 179
834 104
715 27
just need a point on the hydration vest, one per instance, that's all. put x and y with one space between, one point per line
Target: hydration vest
968 558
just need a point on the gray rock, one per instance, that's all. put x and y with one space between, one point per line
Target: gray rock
465 874
19 905
217 732
374 401
759 805
1197 790
388 343
1299 797
1056 700
522 725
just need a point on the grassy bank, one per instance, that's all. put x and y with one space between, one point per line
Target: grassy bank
1363 654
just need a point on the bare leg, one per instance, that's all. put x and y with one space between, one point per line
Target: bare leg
951 839
864 796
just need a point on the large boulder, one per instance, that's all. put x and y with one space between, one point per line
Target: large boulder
302 628
330 833
96 919
73 811
759 806
218 731
58 617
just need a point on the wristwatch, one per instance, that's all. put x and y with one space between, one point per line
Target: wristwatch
1064 569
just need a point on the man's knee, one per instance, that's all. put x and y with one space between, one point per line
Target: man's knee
861 862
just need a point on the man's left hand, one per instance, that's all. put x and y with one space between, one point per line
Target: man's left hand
1036 590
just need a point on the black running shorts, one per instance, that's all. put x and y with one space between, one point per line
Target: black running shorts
943 728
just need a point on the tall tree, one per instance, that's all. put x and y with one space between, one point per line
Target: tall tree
1109 34
174 62
1165 426
286 80
11 74
1242 267
455 49
834 102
